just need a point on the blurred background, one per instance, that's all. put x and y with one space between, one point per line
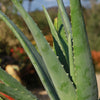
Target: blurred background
13 59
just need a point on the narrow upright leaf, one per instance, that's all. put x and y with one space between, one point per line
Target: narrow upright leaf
68 30
84 74
60 44
34 56
65 18
63 85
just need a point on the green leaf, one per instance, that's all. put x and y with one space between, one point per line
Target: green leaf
63 38
68 30
63 84
34 56
65 18
59 42
71 58
15 93
14 85
84 72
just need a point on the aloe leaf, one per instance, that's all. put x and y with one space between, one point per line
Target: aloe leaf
62 38
15 85
60 44
61 30
34 56
68 30
60 27
14 93
67 44
63 84
65 18
45 78
84 74
60 55
71 58
62 35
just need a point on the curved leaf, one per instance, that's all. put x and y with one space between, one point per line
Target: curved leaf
14 85
60 80
34 56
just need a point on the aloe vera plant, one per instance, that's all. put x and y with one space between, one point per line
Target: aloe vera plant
66 71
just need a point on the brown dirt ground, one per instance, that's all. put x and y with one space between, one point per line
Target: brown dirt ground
41 94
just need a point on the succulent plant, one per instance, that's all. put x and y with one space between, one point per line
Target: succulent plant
66 71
